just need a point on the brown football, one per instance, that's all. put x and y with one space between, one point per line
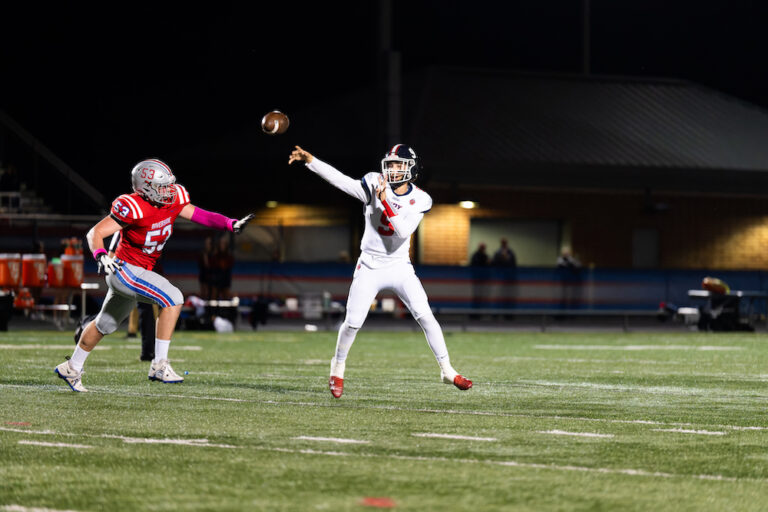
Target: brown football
274 123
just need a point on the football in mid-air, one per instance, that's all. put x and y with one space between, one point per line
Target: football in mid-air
274 123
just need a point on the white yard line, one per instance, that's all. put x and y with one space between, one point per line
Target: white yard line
576 434
511 463
468 412
19 508
635 347
54 445
664 390
687 431
37 346
148 440
332 440
508 463
453 436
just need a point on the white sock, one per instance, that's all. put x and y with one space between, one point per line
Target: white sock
344 342
436 341
161 349
337 368
78 358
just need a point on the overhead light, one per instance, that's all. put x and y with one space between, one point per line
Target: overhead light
468 205
271 204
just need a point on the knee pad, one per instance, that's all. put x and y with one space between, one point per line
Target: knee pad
425 319
355 319
106 323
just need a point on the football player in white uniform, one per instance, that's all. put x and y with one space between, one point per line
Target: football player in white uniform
393 208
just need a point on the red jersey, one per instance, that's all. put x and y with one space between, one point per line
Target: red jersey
146 227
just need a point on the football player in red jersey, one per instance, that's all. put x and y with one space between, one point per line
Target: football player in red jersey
146 219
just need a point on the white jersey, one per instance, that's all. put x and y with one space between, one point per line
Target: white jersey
387 239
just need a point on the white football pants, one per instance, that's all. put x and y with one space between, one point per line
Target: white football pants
401 278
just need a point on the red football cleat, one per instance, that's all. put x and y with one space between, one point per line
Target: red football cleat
336 385
462 383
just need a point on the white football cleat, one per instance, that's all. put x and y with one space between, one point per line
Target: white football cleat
162 371
73 378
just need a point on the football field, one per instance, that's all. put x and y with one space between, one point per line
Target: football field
555 421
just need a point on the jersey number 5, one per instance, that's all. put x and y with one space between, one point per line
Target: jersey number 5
151 245
386 228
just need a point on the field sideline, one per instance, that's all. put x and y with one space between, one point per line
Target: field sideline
556 421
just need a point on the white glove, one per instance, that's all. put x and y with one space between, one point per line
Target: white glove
238 226
108 265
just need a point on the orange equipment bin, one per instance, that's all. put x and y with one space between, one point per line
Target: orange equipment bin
10 270
55 274
73 269
33 270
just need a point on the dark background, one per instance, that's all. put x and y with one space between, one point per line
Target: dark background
105 85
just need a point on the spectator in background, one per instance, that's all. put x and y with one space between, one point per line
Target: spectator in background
567 259
480 276
504 256
204 275
569 274
479 257
222 262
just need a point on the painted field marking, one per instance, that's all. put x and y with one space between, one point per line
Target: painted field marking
331 440
634 347
378 502
468 412
173 347
148 440
665 390
577 434
686 431
19 508
453 436
37 346
509 463
54 445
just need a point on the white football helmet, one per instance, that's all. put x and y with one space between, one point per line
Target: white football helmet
153 180
400 164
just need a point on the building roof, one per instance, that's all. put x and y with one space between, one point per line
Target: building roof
593 132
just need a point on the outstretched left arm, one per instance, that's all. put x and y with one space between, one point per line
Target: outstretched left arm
213 219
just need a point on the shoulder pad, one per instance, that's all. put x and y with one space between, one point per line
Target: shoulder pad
423 200
183 195
126 209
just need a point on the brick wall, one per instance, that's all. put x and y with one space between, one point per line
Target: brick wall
728 233
694 231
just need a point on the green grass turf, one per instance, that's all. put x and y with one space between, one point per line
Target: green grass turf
250 395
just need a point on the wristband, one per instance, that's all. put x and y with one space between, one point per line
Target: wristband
99 252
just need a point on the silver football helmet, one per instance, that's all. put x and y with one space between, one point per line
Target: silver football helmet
400 164
153 180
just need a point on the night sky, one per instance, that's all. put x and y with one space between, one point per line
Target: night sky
104 88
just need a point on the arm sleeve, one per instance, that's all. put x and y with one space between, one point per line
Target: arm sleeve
351 186
212 219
